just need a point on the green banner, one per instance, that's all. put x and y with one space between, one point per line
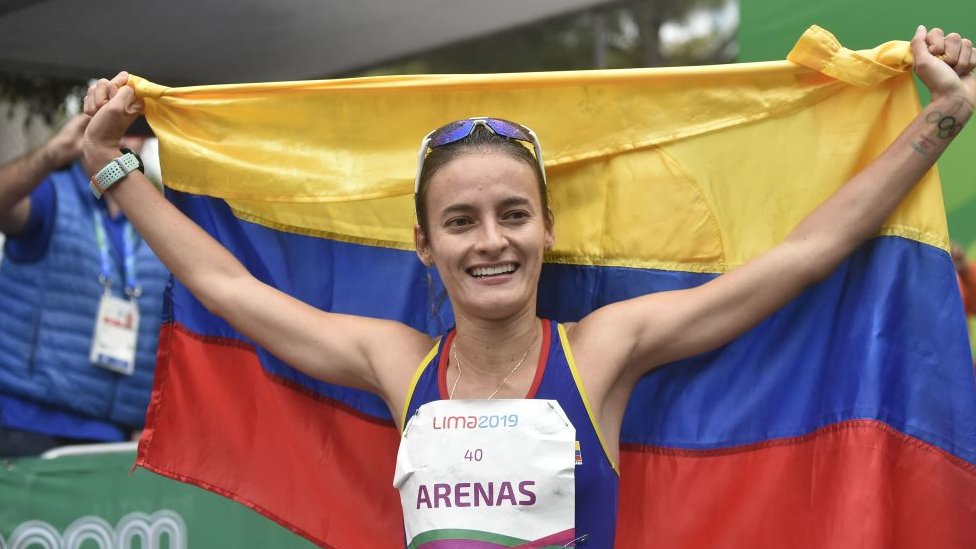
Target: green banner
768 29
95 502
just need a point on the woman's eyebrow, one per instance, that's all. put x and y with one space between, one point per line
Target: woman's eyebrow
464 207
460 207
514 201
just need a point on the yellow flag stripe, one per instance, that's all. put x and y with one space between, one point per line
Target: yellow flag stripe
692 169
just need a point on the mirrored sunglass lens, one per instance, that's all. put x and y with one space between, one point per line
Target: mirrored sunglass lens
450 133
509 129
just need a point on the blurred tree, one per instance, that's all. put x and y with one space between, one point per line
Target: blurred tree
42 95
617 35
706 34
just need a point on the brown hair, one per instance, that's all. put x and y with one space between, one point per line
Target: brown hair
481 140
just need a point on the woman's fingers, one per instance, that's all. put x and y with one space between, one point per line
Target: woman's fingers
112 106
128 100
953 45
100 96
943 62
121 79
89 103
936 41
920 45
953 49
965 63
104 90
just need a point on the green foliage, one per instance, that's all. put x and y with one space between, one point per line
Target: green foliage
620 35
562 43
43 95
771 27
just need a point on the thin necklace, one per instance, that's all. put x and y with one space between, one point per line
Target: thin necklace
450 396
457 362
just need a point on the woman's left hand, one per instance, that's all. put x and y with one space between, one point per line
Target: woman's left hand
945 64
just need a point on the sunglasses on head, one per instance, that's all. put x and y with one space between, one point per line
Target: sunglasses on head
459 129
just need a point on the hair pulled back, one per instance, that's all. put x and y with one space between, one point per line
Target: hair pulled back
480 140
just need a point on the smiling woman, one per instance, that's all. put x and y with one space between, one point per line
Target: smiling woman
485 224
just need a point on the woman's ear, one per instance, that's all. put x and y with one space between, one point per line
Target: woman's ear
550 236
422 245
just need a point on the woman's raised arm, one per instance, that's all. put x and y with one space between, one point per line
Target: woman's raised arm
667 326
342 349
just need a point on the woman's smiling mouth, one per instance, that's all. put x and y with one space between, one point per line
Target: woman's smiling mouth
492 270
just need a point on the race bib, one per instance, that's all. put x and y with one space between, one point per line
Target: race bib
488 473
114 341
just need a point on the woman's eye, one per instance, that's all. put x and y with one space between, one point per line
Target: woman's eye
458 222
517 215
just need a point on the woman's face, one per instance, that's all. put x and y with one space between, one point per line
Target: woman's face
487 233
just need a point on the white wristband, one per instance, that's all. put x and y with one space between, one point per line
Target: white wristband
113 172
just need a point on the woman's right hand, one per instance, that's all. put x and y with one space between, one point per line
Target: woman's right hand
112 106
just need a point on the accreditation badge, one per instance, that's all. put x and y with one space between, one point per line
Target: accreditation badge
116 328
488 473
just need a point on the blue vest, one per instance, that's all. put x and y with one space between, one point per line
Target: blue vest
47 317
597 480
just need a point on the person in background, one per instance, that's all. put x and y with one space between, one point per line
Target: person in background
80 303
966 272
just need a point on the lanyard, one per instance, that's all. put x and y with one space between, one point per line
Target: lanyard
132 288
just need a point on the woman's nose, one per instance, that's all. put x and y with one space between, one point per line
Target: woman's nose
492 239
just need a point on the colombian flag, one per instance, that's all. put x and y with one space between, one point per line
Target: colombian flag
848 419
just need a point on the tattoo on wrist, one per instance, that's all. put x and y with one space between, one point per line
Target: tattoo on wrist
945 124
923 145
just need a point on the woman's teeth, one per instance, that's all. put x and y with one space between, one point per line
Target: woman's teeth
494 270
